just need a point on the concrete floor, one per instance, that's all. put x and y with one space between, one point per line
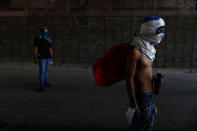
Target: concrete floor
74 102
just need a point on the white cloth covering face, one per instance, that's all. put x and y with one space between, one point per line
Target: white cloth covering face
147 38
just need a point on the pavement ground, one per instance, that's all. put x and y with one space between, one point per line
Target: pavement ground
74 102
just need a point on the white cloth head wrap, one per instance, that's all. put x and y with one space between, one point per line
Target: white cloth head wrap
149 36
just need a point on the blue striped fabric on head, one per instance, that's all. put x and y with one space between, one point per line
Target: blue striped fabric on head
44 33
42 27
150 18
160 30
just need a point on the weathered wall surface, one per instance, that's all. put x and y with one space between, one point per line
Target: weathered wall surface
82 37
97 4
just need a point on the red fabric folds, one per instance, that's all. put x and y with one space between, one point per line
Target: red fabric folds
111 67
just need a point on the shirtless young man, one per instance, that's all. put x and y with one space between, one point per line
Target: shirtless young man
139 69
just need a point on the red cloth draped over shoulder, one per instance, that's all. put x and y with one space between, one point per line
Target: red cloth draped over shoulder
111 67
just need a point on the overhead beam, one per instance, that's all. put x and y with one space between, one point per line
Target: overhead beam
154 4
67 6
25 6
110 5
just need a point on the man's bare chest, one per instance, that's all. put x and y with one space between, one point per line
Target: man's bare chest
144 63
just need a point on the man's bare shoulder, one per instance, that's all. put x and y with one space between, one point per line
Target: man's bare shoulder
134 51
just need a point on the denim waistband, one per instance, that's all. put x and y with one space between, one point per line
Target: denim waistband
143 95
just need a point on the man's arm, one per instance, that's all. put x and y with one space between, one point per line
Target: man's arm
133 56
35 54
51 53
132 59
35 49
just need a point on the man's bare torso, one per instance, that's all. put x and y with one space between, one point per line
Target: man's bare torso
143 74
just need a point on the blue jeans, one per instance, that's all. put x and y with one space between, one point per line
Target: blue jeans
43 67
147 108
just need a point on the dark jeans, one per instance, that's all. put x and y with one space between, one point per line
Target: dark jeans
147 108
43 74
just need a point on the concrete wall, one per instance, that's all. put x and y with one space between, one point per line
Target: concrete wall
97 4
80 38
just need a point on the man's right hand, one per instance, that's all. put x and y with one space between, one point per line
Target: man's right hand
52 60
138 112
35 60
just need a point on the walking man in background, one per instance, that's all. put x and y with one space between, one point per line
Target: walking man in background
43 55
